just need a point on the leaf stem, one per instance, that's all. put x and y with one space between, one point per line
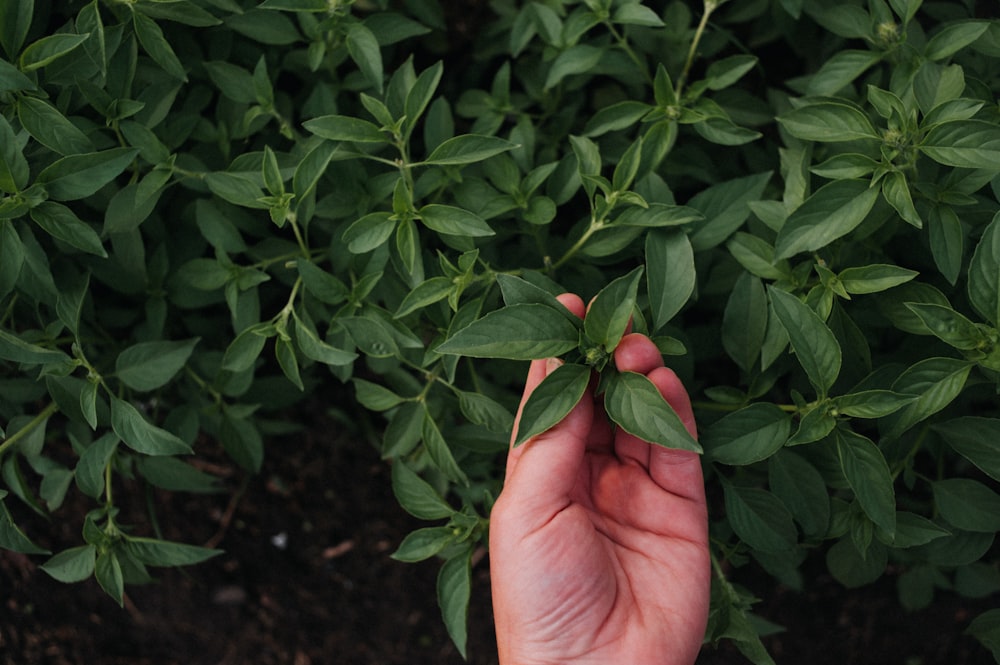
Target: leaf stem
44 415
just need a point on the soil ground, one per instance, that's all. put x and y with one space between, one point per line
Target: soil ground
306 579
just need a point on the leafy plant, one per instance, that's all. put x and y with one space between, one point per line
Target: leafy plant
211 209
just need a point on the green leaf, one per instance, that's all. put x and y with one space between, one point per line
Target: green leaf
156 45
175 475
913 530
267 27
14 172
636 405
744 322
759 518
845 166
284 352
78 176
12 537
15 23
314 348
241 441
274 182
868 474
47 49
142 436
454 588
182 11
724 131
51 128
243 351
423 543
518 332
852 568
801 488
72 565
949 326
374 396
426 293
468 149
972 144
345 128
151 365
670 273
968 504
986 629
658 215
312 167
11 78
611 310
634 13
92 464
578 59
108 571
897 192
953 37
615 117
984 274
814 343
62 223
870 403
454 221
440 452
830 213
322 285
516 290
947 240
153 552
421 93
485 411
756 255
364 50
16 350
935 382
974 438
369 232
552 400
416 495
725 72
874 278
296 5
752 434
725 207
828 122
840 70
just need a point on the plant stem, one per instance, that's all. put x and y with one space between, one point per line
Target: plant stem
44 415
595 226
710 6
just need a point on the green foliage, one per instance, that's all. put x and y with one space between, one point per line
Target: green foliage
210 209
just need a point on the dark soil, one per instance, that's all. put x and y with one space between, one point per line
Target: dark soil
306 579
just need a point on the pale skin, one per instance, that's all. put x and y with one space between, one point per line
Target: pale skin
599 540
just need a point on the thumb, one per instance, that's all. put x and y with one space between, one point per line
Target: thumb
548 464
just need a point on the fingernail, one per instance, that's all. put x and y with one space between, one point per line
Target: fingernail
551 364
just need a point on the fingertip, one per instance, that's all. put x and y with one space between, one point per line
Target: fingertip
637 353
573 303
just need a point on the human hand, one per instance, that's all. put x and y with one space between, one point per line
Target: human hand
599 541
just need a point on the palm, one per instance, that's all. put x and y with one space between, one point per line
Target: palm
599 541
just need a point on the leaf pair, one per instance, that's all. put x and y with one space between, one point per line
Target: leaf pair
535 325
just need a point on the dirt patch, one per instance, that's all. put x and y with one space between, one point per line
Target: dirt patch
306 579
